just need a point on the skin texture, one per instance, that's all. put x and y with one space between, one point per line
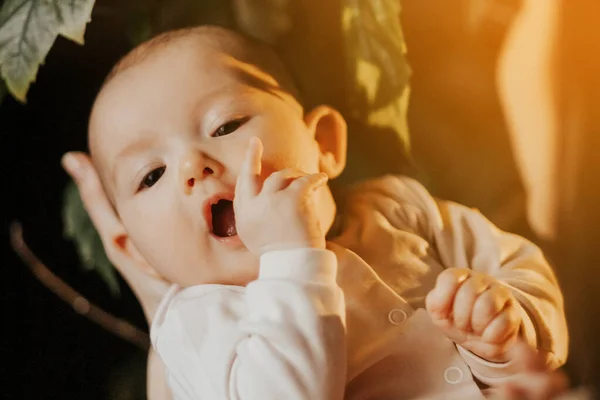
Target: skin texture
475 311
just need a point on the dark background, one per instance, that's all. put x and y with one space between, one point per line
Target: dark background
50 352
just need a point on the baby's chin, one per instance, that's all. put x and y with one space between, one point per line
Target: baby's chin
244 269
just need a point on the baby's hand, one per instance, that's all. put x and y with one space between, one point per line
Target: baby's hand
279 214
476 312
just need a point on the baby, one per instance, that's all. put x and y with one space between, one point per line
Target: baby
218 176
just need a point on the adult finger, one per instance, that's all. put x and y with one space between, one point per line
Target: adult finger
536 380
534 386
526 357
79 166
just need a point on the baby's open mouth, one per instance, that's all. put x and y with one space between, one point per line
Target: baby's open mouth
223 218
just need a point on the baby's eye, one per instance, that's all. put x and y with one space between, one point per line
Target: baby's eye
229 127
151 178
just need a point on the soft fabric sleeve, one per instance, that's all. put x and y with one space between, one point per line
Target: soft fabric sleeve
282 337
463 237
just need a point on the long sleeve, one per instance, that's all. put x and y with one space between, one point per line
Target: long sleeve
463 237
281 337
457 236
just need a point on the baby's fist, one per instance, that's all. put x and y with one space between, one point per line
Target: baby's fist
476 312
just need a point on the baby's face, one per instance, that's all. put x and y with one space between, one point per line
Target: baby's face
169 136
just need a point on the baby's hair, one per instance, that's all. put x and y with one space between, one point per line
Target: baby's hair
234 43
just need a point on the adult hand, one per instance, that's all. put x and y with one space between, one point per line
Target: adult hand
147 287
535 382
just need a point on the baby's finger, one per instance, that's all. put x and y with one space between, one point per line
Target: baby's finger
308 183
279 180
487 307
248 180
439 301
465 298
505 326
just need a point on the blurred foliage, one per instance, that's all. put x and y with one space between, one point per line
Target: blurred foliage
376 64
127 381
78 227
266 20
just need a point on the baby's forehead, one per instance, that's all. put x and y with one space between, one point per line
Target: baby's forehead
184 66
211 46
184 71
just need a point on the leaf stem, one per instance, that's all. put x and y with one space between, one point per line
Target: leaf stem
79 303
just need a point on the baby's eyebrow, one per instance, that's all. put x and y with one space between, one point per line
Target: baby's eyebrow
130 151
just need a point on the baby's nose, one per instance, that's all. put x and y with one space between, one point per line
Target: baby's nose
197 166
205 172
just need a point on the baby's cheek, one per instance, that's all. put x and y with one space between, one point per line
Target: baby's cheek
151 229
170 245
268 168
290 147
144 232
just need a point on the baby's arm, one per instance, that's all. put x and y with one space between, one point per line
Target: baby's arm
282 337
463 238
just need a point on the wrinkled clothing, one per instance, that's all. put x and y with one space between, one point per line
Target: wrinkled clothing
287 335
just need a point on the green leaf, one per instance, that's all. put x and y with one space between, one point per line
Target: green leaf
139 28
127 377
378 71
78 227
74 17
267 20
28 28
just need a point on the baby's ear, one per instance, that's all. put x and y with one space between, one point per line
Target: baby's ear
330 132
125 255
149 287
